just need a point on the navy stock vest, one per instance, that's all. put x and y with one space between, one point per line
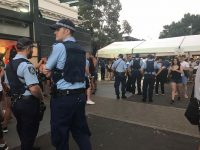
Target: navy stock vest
16 86
74 69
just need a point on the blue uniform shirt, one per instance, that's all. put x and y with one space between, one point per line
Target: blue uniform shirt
27 73
57 59
119 65
156 65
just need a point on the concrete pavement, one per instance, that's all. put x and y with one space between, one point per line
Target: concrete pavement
132 112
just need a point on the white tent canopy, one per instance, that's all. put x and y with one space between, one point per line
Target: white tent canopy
116 48
191 44
167 46
160 47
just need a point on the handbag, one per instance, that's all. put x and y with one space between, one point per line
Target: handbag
192 112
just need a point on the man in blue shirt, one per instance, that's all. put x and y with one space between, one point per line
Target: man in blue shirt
120 68
25 92
67 66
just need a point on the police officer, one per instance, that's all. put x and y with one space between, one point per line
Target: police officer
119 67
135 67
26 94
67 64
149 71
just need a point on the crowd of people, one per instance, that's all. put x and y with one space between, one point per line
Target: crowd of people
153 72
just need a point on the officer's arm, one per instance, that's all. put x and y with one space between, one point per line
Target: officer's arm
31 80
57 52
36 91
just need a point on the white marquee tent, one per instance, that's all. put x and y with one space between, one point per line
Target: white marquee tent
160 47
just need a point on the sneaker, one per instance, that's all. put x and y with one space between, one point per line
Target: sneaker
3 147
156 94
5 129
186 96
90 102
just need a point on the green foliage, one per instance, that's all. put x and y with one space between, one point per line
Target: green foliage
189 25
127 29
101 19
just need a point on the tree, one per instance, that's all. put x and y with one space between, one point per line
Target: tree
127 29
101 19
188 25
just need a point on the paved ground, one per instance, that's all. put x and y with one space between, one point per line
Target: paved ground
128 125
109 134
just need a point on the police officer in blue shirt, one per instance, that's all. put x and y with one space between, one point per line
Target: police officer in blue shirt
149 71
67 65
25 92
135 67
119 67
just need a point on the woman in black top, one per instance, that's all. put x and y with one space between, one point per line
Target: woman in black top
175 71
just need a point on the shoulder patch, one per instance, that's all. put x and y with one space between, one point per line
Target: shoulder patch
31 69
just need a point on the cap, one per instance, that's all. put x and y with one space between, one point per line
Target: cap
66 23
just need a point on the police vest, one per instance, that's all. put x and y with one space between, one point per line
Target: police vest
74 69
16 86
136 64
150 67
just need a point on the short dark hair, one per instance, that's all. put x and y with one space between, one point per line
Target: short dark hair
120 55
24 43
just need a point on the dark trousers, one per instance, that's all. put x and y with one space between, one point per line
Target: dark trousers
162 82
129 84
68 114
137 78
148 86
102 73
120 78
26 112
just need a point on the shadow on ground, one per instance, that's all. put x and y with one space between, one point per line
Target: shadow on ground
110 134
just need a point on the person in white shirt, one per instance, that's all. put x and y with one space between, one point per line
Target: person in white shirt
185 65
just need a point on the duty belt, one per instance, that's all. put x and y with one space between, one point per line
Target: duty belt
70 92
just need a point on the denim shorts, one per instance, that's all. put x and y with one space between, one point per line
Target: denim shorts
184 79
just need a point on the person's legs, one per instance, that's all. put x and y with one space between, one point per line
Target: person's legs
173 86
139 78
133 83
116 85
157 85
151 82
123 85
184 81
145 86
79 127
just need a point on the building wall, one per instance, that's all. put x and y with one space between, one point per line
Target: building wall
50 9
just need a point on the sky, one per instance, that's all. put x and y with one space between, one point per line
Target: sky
147 17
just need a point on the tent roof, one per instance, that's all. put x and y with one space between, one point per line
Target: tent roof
169 45
116 48
160 47
191 43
